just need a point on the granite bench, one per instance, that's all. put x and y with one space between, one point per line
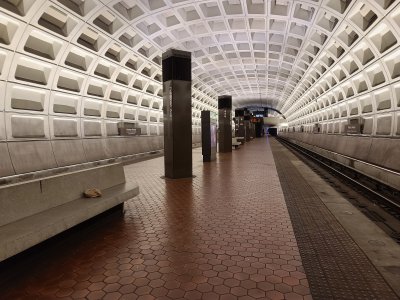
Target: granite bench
33 211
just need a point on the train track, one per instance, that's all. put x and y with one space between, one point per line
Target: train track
379 202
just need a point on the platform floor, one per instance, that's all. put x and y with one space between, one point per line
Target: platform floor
337 268
225 234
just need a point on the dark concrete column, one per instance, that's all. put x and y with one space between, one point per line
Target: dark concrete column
225 123
239 121
177 108
258 127
208 135
253 130
247 126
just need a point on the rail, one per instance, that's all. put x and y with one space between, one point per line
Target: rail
381 192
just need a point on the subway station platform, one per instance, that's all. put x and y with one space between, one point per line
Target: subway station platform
247 226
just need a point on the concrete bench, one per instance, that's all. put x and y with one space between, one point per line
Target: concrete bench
33 211
235 143
240 139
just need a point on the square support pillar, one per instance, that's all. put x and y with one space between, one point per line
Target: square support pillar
225 123
208 135
239 121
247 126
177 108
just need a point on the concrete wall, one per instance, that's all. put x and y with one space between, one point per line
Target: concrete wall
69 72
384 152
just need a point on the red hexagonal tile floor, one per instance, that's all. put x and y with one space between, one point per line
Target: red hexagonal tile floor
225 234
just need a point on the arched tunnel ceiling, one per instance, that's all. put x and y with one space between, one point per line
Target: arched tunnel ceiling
279 53
253 50
71 71
260 51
